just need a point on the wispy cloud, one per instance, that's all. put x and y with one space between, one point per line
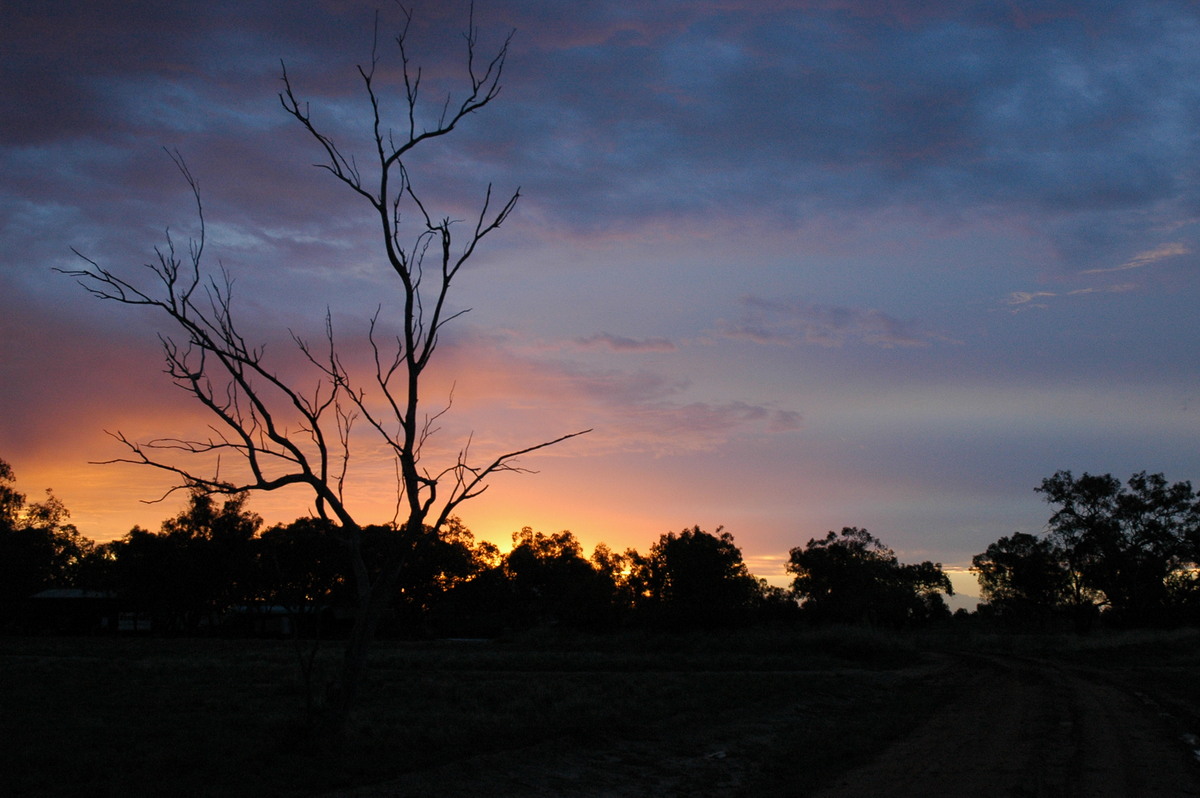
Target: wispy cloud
1027 297
671 427
1120 288
618 343
1027 300
792 322
640 411
1147 258
523 392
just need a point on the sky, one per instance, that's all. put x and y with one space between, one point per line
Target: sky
801 264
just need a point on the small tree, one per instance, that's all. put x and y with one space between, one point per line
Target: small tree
282 434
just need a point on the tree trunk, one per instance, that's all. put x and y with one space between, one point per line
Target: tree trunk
344 692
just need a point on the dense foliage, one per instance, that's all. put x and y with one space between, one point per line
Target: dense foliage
1125 554
852 577
214 568
38 548
1128 554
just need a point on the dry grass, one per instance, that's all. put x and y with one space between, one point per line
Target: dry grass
105 716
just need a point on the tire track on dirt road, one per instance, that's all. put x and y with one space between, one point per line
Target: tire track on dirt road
1029 728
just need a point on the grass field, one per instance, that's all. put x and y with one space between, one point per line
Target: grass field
137 716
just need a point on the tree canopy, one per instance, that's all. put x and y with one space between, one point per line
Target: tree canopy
1128 551
695 579
1023 577
39 548
851 577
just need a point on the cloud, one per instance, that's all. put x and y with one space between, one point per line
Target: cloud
792 322
643 412
1025 300
516 393
678 153
615 119
619 343
1120 288
1025 297
666 428
1147 258
832 106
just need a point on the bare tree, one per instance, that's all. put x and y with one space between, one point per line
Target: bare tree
282 435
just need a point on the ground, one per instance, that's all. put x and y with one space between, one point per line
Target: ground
1016 726
786 712
1026 727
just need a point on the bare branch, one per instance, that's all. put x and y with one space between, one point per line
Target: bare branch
470 482
266 431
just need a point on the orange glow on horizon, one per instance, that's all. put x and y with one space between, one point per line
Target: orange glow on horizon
106 501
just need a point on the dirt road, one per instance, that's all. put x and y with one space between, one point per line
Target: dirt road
1029 728
1015 728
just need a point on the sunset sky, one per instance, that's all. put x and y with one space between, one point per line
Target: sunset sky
802 264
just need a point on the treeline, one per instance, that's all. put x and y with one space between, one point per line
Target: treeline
1125 555
214 567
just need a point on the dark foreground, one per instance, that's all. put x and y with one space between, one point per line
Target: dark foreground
804 713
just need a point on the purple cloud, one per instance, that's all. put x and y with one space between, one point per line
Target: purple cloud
618 343
788 323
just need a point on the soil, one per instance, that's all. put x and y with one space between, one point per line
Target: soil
1030 728
1015 727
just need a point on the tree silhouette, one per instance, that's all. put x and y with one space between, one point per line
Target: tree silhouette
851 577
1128 548
435 564
302 566
12 501
1024 578
39 549
201 563
551 582
617 571
152 577
275 433
696 579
